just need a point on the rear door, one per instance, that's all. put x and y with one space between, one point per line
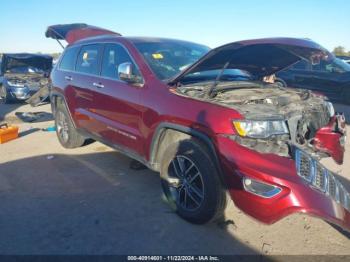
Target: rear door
116 103
66 78
87 70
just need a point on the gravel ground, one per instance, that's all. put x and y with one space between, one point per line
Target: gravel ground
88 201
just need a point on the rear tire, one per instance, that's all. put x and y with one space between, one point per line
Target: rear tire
195 193
66 133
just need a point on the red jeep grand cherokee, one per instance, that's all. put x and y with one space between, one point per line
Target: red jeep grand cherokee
205 120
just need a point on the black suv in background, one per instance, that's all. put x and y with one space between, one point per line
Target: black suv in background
331 78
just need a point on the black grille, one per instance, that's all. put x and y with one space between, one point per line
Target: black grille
320 177
342 195
305 167
332 188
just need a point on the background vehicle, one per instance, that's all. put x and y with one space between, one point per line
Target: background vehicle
202 121
23 75
346 59
330 77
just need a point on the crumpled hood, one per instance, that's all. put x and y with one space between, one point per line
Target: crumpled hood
270 102
260 57
11 61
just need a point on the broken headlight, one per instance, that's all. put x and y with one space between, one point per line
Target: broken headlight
260 129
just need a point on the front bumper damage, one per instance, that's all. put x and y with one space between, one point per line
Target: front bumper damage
22 93
306 185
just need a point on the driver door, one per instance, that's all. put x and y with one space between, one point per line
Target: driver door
116 103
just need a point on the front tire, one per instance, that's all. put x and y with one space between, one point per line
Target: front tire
280 82
66 133
191 182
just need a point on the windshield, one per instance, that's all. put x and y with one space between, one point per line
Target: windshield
211 75
335 65
167 58
341 64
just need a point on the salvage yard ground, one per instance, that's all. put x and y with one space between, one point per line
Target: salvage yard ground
88 201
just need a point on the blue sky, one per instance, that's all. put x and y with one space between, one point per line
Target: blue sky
23 23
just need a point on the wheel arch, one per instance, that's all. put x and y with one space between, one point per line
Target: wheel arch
167 133
55 98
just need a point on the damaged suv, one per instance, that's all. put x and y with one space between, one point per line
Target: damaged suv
23 75
205 120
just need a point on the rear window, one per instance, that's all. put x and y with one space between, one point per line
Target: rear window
89 59
69 58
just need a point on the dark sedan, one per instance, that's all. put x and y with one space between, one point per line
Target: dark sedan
330 77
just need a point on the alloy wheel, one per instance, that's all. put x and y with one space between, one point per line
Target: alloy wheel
185 183
62 126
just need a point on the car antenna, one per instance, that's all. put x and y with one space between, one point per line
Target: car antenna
211 91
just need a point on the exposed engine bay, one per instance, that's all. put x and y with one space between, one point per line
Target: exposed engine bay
33 81
304 112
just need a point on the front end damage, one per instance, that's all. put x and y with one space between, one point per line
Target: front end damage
23 86
24 74
281 174
312 123
271 156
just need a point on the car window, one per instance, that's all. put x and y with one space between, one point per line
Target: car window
301 65
88 59
113 56
334 66
69 58
167 58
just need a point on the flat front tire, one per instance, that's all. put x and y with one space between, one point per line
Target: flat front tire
191 182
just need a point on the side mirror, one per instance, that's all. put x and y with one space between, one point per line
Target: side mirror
125 73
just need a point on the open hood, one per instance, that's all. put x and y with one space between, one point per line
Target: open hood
260 57
10 61
74 32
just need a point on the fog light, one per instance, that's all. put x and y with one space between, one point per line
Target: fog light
259 188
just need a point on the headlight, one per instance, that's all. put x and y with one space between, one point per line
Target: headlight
330 108
260 129
15 84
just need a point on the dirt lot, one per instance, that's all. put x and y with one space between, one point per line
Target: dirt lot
88 201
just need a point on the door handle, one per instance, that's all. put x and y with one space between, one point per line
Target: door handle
98 85
68 78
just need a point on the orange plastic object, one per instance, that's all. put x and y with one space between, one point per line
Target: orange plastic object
8 133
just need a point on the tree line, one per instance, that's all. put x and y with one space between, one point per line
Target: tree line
340 51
